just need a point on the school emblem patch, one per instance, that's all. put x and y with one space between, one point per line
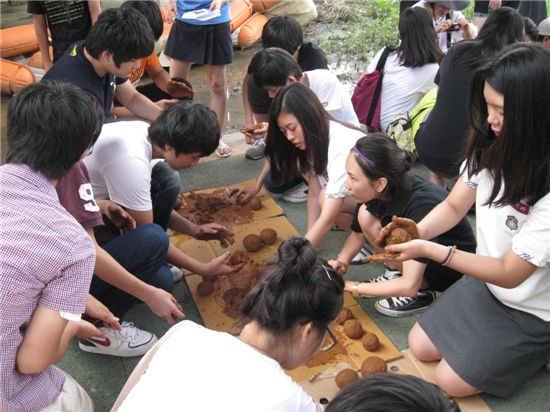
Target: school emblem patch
512 223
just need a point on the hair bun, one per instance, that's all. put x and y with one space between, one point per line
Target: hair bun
297 253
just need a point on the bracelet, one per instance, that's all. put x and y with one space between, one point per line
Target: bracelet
355 290
450 251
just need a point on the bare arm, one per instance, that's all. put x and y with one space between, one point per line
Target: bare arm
137 103
248 116
41 30
179 258
46 339
330 210
160 77
162 303
506 272
448 213
351 247
406 285
94 7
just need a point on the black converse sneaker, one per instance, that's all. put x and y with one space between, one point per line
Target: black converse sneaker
397 307
389 274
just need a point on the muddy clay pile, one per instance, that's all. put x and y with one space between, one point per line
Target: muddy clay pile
221 206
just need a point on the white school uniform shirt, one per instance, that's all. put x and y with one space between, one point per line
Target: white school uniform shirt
120 165
525 230
456 36
198 369
332 95
342 139
402 87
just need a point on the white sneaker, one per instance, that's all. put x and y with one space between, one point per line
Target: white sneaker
256 151
298 194
128 342
360 257
389 274
177 273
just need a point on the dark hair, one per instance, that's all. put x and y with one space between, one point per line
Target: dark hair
151 10
300 101
299 287
50 125
388 160
531 29
272 67
518 158
188 127
419 44
504 26
284 32
123 32
392 393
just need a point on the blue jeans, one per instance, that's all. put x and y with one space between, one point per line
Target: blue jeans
165 188
142 252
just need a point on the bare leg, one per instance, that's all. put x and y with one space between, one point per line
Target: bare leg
180 68
447 379
421 345
217 83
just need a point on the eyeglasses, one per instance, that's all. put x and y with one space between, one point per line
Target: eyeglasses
329 341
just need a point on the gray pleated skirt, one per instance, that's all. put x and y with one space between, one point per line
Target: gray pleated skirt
489 345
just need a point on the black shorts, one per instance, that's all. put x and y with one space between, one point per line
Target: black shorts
482 7
204 44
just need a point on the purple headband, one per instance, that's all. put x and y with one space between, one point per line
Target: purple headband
365 158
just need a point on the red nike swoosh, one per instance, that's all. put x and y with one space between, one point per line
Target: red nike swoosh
101 341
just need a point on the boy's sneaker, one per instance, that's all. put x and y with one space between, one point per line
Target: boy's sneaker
298 194
128 342
389 274
397 307
177 273
256 151
360 257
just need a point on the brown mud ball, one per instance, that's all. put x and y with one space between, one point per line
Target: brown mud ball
255 203
396 236
268 236
238 258
353 329
346 314
252 243
205 288
345 377
370 342
373 365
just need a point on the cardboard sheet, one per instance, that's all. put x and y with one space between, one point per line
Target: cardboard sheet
269 207
349 350
322 388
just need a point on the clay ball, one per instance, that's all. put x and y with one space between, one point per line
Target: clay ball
255 204
370 342
373 365
353 329
238 258
345 377
252 243
396 236
268 236
346 314
205 288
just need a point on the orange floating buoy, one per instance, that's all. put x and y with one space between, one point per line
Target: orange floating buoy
261 6
17 40
251 30
240 11
14 77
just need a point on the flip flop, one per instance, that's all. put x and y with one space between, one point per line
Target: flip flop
224 150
